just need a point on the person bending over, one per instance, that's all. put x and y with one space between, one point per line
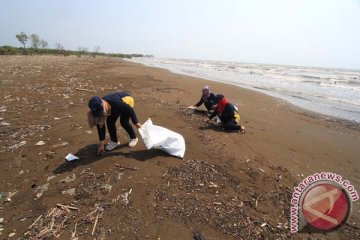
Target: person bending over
108 109
207 98
227 114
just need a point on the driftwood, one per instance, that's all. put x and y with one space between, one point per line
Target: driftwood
84 90
66 207
125 167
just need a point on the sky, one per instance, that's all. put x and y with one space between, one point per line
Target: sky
321 33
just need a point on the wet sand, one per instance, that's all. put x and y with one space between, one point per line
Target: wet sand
226 187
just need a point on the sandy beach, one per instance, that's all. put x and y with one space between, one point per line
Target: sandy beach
228 186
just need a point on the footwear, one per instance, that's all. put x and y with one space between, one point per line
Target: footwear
242 129
133 142
111 145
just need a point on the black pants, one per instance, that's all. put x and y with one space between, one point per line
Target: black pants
232 125
124 121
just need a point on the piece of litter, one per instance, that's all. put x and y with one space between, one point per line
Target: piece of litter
261 170
60 145
11 235
69 178
50 178
106 187
263 225
43 188
125 197
70 157
70 191
88 132
39 143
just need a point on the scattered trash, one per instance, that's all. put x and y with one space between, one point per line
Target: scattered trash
263 225
9 196
50 178
52 224
125 196
106 187
85 90
88 132
11 235
70 157
60 145
43 188
213 185
39 143
70 191
125 167
21 172
15 146
1 220
69 178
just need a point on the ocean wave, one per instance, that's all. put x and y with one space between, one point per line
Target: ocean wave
333 88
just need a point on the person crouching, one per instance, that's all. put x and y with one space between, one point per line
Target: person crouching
108 109
227 114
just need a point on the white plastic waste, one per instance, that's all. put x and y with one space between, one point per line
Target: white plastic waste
162 138
70 157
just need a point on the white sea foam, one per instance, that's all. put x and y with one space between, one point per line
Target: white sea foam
333 92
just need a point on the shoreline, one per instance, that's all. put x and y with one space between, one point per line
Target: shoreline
252 174
290 99
352 124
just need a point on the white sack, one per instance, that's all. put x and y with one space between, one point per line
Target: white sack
162 138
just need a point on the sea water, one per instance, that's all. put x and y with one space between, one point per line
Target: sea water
332 92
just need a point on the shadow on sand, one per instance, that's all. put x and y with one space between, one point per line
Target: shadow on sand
88 155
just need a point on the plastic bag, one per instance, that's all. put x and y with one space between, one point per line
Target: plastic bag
162 138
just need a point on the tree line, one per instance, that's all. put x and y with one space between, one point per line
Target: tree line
40 46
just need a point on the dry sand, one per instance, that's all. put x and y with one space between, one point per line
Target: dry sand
227 186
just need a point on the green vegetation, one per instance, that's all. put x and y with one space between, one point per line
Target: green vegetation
39 47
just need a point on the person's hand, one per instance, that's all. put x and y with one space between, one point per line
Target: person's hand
101 148
138 125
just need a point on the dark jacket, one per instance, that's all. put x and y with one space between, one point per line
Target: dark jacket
208 101
118 108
